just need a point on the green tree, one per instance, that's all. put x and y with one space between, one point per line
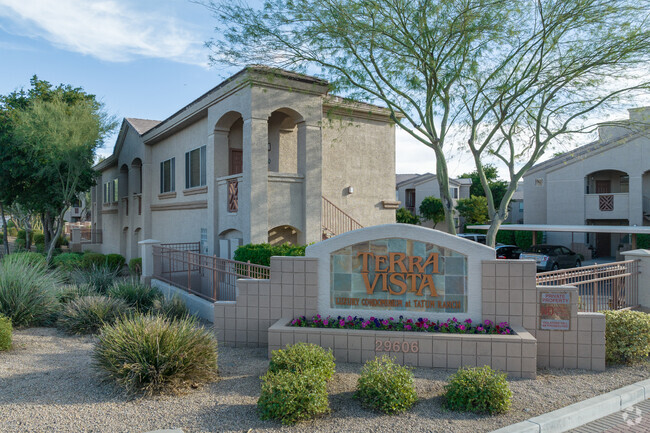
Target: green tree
432 209
405 216
497 187
474 209
508 77
48 137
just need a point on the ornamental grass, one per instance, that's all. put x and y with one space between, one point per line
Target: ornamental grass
87 314
149 355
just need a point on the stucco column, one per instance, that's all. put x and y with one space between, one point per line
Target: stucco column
636 200
147 259
642 278
253 204
310 159
150 186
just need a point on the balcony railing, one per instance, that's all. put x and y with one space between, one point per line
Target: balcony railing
233 195
607 206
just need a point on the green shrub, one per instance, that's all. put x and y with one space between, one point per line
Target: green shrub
627 336
38 238
261 253
99 278
643 241
5 333
173 308
135 266
86 315
524 240
72 292
386 386
302 357
506 237
291 397
115 261
67 262
90 260
478 389
136 295
152 354
404 216
27 290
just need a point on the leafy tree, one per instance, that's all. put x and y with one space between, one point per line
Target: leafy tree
48 137
497 187
474 209
432 209
405 216
506 78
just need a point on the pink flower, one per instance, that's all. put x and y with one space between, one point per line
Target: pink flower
480 328
384 322
364 324
408 327
461 327
342 323
325 322
425 326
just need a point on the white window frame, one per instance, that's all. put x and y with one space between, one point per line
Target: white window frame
202 167
453 192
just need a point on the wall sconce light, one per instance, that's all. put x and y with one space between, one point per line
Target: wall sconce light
350 190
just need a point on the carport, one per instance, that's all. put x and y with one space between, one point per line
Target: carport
633 231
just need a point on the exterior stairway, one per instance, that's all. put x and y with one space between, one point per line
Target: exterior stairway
335 221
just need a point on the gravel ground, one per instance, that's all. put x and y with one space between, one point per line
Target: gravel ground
47 384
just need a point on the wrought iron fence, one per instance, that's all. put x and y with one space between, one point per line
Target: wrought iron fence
610 286
208 277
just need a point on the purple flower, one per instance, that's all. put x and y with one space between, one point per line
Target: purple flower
342 323
488 323
480 328
408 327
461 327
468 321
364 324
384 322
325 322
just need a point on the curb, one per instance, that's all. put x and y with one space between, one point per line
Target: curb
583 412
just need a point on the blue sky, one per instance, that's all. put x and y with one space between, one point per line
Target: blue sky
141 58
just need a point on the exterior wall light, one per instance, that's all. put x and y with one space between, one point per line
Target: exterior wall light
350 190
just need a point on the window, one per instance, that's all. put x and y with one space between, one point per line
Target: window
625 183
453 192
195 168
410 199
521 206
115 191
167 174
105 192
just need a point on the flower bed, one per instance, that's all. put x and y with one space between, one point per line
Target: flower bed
452 325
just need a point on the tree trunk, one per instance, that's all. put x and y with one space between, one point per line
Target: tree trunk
501 214
5 232
59 227
442 174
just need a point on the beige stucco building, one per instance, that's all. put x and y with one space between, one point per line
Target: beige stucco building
265 156
413 188
606 182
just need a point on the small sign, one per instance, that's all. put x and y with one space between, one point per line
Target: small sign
555 311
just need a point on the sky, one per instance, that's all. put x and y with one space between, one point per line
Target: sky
144 59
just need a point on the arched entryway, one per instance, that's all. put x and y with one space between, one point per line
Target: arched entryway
283 234
228 144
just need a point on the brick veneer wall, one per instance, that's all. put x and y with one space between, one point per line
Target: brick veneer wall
514 354
291 291
510 294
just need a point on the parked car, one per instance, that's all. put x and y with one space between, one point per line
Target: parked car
511 252
481 239
552 257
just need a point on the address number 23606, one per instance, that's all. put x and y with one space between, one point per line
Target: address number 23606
396 346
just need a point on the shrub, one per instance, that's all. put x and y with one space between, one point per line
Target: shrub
302 357
404 216
524 240
627 336
291 397
261 253
135 266
115 261
90 260
99 278
152 354
5 333
478 389
386 386
506 237
67 262
71 292
27 290
136 295
87 314
38 238
173 308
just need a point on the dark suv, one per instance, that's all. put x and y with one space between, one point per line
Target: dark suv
552 257
508 252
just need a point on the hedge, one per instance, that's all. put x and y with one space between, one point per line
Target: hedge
261 254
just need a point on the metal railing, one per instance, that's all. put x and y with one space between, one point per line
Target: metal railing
335 220
91 236
194 247
611 286
208 277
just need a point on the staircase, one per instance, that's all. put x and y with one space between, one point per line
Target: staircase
335 221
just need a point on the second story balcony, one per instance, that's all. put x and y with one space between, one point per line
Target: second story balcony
607 206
